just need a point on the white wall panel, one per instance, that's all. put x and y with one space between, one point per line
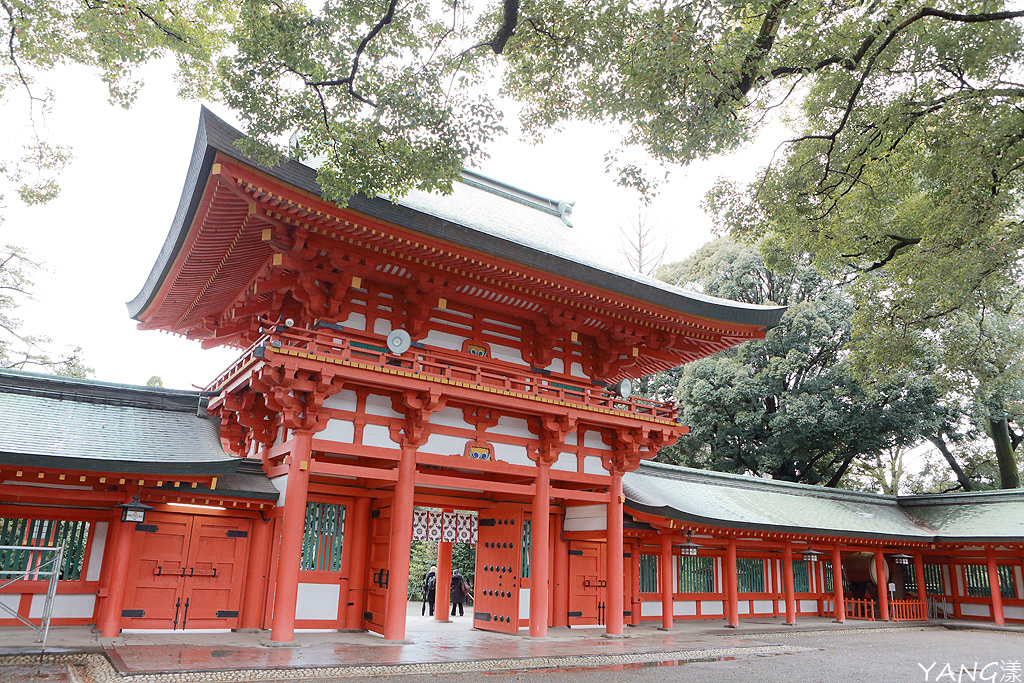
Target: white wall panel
586 517
377 404
378 435
99 542
650 609
808 605
450 417
592 465
566 462
511 426
343 400
342 431
524 603
356 321
763 605
507 354
975 610
442 444
65 606
684 607
317 601
593 439
711 607
382 326
444 340
512 454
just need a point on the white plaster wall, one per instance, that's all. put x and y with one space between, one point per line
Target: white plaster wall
711 607
11 601
570 439
65 606
378 435
592 465
586 518
444 340
650 609
524 603
557 365
99 542
576 370
565 462
1018 585
450 417
763 606
281 484
317 601
808 605
281 436
356 321
684 607
507 354
338 430
1013 612
743 607
511 426
343 400
512 454
382 326
442 444
377 404
975 610
592 439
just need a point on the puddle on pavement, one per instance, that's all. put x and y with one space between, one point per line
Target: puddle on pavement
640 665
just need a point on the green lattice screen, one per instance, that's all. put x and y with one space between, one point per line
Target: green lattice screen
321 537
976 577
524 569
72 534
750 575
933 583
696 574
648 573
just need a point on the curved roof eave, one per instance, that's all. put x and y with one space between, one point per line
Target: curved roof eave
214 135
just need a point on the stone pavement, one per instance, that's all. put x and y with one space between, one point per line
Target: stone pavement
431 647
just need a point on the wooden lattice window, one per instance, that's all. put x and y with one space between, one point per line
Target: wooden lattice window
801 577
43 533
524 569
321 537
976 578
826 567
696 574
933 583
750 575
648 573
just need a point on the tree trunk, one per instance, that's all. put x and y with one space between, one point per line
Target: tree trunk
961 476
1009 476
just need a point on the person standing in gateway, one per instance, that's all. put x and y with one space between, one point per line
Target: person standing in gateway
460 591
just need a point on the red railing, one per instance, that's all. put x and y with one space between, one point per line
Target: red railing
353 346
907 610
859 608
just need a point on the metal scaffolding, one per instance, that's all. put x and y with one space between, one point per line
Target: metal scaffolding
36 568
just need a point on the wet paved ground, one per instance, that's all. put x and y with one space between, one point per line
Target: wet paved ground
431 648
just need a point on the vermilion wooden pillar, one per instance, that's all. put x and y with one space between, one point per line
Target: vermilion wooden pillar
118 579
401 540
254 598
922 590
634 590
613 615
883 586
667 603
993 586
732 609
788 587
541 512
837 585
444 580
110 548
359 549
560 587
293 521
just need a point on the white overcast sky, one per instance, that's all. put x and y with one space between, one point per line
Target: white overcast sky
100 237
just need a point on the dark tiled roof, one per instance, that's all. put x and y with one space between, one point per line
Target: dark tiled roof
475 215
63 423
734 501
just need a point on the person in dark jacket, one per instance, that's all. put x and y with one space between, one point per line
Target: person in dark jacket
460 591
430 589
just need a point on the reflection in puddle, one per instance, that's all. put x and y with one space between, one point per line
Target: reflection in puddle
637 665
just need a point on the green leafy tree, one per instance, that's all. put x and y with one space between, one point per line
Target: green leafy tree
109 36
789 406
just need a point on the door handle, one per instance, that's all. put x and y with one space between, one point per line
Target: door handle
185 617
177 608
159 571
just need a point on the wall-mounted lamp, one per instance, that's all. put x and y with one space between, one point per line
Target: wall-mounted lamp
134 511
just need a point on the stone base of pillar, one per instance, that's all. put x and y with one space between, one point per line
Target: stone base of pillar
836 621
788 623
276 643
615 636
731 626
662 628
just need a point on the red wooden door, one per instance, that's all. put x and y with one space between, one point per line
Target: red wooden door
216 569
587 594
155 581
499 556
377 571
186 572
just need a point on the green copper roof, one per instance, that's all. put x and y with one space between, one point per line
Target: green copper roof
739 502
64 423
